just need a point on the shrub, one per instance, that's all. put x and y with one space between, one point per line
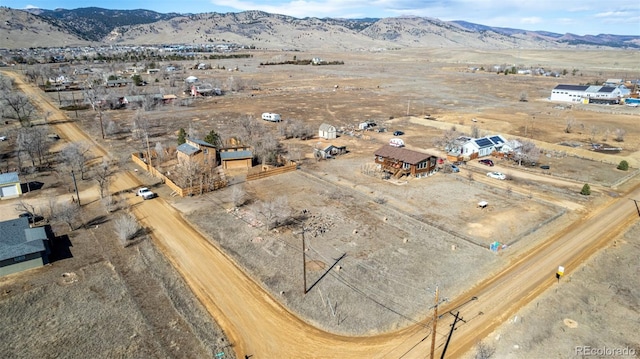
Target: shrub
586 190
624 165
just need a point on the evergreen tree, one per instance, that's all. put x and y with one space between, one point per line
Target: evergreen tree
586 190
213 138
182 135
624 165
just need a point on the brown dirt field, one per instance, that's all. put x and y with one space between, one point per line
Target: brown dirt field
394 263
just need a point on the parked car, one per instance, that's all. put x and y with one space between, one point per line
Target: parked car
398 133
145 193
3 138
545 167
455 169
487 162
497 175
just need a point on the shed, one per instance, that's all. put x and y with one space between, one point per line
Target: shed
191 79
10 185
327 131
21 247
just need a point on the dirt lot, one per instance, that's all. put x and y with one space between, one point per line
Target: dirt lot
400 239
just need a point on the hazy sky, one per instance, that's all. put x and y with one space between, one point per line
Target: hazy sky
580 17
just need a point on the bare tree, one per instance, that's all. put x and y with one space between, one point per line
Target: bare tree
569 125
97 96
238 196
475 131
189 172
619 135
74 156
160 152
102 174
110 203
20 106
275 211
33 141
484 351
523 96
448 139
594 132
67 212
127 228
527 152
26 207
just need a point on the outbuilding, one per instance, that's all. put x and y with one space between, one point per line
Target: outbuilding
10 185
327 131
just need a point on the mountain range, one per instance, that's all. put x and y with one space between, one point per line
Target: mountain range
97 26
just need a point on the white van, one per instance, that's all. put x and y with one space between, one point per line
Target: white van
273 117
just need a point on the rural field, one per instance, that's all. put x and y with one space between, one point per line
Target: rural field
375 250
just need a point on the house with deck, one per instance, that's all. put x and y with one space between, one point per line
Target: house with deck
400 161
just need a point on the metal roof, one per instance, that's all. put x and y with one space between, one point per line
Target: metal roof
572 87
9 177
187 149
17 239
235 155
201 142
327 127
402 154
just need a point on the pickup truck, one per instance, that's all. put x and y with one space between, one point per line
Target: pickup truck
145 193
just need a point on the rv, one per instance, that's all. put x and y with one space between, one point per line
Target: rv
272 117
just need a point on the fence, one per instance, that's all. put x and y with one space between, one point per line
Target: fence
264 173
138 158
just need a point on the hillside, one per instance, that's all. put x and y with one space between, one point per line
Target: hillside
271 31
21 29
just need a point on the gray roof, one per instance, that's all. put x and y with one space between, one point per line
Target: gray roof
17 239
9 177
201 142
235 155
327 127
187 149
572 87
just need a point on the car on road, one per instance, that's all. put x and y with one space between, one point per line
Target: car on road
487 162
398 133
145 193
455 169
545 167
497 175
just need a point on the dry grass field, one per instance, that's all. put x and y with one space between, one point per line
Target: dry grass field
403 238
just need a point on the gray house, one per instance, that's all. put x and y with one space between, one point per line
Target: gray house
21 247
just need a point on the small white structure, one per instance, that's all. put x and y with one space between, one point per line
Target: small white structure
327 131
586 94
10 185
272 117
396 142
191 79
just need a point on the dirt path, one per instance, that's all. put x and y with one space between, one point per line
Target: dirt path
257 324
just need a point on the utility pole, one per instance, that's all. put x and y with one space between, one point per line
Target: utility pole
435 323
456 319
76 186
637 208
304 264
148 152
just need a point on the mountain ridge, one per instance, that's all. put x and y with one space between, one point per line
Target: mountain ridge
93 25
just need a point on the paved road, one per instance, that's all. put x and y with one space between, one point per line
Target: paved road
257 324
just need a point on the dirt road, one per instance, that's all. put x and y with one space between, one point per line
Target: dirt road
258 325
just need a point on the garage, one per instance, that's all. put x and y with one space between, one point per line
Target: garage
10 185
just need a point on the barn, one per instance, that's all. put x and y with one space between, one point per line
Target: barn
10 185
327 131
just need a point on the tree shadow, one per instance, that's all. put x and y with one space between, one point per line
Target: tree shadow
60 246
96 221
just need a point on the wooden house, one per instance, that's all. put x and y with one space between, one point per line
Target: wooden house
399 161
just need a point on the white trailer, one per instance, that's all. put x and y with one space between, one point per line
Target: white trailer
272 117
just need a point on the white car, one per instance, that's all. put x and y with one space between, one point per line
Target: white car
497 175
3 138
145 193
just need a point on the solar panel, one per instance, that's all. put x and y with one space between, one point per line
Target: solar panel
496 139
484 142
